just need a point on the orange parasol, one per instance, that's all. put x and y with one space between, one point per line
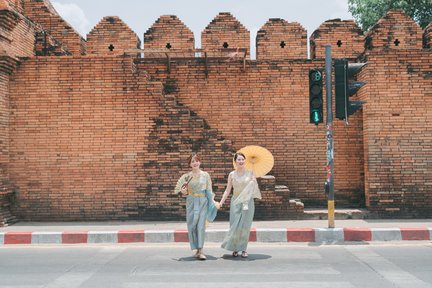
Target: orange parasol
258 159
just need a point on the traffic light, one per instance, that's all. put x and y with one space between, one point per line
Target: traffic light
344 88
315 96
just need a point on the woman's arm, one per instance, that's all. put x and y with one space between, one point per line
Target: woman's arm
227 190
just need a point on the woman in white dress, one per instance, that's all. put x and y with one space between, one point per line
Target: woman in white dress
242 206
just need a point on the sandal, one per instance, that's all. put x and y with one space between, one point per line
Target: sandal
235 254
202 257
244 254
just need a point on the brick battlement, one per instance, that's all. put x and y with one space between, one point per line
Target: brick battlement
105 135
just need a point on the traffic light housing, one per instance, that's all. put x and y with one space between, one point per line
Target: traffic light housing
345 87
315 96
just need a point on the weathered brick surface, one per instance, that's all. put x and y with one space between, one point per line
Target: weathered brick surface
17 33
111 36
278 40
78 130
169 32
427 36
17 5
112 145
397 131
394 31
345 37
268 105
106 137
43 13
225 31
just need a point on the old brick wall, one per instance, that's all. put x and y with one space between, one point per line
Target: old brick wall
224 31
278 40
345 37
111 36
106 137
267 105
17 33
397 130
427 36
169 32
93 138
43 13
394 31
78 128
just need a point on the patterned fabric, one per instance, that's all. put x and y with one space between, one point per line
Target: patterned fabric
199 206
240 218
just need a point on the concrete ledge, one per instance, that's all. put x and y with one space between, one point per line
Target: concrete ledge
102 237
159 236
329 235
300 235
18 238
271 235
46 238
357 234
215 235
386 234
318 235
415 234
130 236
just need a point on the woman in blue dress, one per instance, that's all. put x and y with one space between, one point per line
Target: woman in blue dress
200 204
242 206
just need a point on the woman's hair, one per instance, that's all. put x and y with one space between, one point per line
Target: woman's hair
239 154
194 155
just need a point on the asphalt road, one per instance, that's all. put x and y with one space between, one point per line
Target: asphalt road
172 265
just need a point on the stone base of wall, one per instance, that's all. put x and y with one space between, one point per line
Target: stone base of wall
6 217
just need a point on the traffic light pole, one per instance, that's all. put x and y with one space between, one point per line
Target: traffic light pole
329 125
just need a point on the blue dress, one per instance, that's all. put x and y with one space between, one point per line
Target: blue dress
241 215
199 206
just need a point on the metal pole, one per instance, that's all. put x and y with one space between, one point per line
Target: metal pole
329 125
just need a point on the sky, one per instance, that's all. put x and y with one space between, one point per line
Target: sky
140 15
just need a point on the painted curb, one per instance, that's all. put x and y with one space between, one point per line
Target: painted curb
271 235
329 235
314 235
386 234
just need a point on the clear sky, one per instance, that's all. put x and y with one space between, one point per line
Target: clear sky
140 15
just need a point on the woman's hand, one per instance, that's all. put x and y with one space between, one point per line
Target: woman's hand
217 205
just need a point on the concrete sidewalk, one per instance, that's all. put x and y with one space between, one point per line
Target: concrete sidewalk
262 231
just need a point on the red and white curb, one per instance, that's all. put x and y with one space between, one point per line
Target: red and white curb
318 235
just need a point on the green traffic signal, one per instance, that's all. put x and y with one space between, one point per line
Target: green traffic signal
316 117
315 96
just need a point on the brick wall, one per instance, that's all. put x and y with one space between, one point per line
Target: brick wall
169 32
397 130
225 31
43 13
278 40
111 36
345 36
107 145
427 36
268 105
104 137
17 5
17 33
78 136
394 31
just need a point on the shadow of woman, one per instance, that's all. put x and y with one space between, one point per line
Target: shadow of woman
251 257
193 258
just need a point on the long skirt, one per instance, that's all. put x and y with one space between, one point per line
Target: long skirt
240 225
196 214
